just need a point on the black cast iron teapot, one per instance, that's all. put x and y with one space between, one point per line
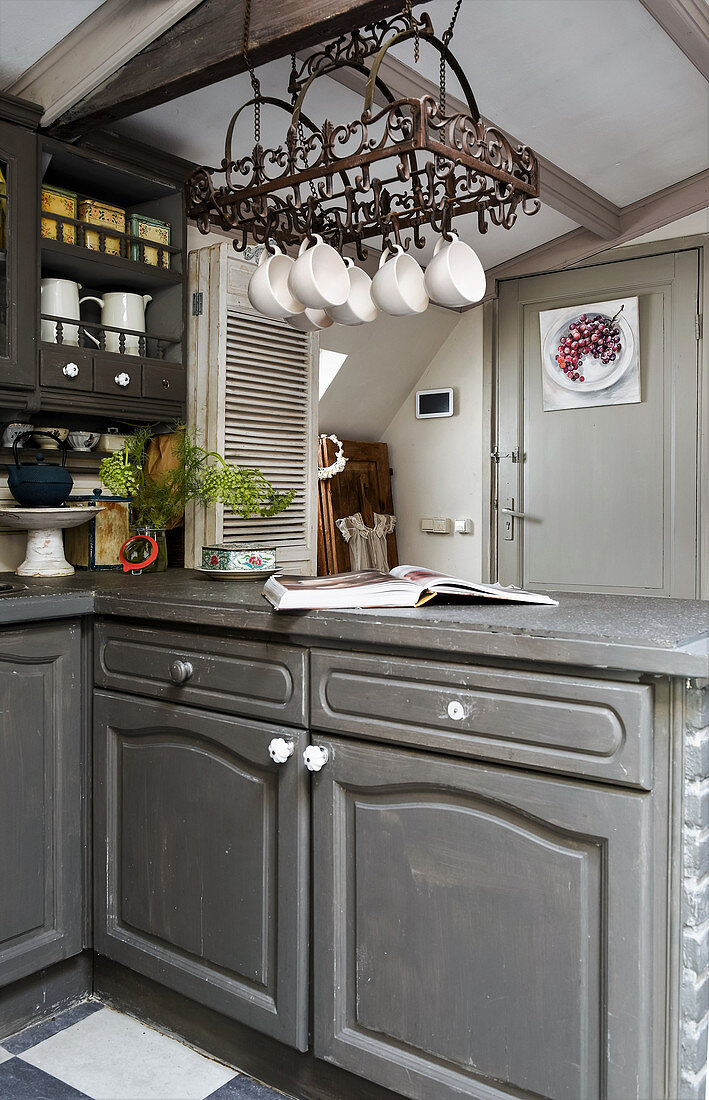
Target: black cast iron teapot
39 484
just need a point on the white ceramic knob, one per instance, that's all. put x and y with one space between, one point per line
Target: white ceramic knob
70 370
122 379
456 710
315 757
280 750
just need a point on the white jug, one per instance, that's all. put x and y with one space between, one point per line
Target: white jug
122 310
60 298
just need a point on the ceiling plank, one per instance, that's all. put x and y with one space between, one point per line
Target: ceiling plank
94 50
206 46
687 24
686 197
559 189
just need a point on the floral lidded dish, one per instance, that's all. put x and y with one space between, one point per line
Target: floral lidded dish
227 560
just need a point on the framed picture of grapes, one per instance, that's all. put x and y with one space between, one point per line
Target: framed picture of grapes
590 355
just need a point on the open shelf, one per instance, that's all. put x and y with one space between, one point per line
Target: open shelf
102 271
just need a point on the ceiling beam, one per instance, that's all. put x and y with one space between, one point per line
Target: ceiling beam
686 197
558 188
206 47
94 50
687 24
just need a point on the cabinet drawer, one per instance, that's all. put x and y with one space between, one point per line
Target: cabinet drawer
163 383
255 679
67 368
600 729
119 375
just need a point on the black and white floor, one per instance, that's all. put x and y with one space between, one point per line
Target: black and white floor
91 1051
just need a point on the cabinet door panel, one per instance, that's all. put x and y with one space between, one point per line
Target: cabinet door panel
40 798
18 251
480 932
201 859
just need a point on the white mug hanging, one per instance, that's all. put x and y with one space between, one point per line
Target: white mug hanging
319 276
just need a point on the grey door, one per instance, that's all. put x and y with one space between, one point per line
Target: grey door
479 931
19 219
609 493
41 801
201 859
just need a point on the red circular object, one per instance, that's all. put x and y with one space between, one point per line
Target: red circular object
137 566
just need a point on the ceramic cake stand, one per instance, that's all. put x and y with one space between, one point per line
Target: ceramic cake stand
45 549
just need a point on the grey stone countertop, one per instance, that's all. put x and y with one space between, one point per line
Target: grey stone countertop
630 633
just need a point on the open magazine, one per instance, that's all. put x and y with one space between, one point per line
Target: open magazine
404 586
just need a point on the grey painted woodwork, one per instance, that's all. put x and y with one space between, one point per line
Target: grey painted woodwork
596 728
234 676
41 804
18 298
609 493
201 859
480 931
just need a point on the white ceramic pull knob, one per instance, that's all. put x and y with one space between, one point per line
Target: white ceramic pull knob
456 711
122 379
180 671
315 757
280 750
70 370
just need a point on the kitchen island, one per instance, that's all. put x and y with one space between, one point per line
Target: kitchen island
452 851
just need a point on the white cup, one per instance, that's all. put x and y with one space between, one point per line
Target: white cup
60 298
310 320
268 287
121 309
359 308
455 277
319 276
398 286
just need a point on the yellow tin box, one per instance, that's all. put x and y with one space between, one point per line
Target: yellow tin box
101 213
57 201
150 229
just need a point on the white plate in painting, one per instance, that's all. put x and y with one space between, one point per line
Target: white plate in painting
597 375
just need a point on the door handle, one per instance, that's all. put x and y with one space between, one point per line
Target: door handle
513 512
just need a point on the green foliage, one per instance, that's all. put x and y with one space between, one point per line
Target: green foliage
199 475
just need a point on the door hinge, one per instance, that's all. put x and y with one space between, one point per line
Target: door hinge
515 455
698 327
197 303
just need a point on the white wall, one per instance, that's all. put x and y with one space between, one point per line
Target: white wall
438 464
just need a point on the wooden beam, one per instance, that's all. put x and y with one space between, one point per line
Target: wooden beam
687 24
559 189
206 46
643 216
94 50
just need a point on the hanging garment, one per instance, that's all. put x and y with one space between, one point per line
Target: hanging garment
367 545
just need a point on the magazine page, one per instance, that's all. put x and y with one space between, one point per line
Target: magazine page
447 585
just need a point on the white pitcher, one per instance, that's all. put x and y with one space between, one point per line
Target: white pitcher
122 310
60 298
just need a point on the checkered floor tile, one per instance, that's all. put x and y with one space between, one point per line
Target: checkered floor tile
90 1052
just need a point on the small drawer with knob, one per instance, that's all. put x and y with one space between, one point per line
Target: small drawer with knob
65 367
596 728
163 382
119 375
254 679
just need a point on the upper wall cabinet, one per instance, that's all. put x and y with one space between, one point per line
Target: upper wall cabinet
112 247
18 274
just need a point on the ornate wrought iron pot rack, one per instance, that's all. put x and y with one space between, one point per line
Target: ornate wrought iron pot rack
435 166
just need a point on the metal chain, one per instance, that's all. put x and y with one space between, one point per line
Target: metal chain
446 37
255 82
408 12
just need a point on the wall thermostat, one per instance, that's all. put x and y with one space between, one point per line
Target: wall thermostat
433 403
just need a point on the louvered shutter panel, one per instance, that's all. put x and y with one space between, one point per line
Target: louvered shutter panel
267 421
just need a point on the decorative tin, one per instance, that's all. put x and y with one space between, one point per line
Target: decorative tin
149 229
101 213
227 559
96 544
55 200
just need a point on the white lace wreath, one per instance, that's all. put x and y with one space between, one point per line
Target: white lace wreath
338 465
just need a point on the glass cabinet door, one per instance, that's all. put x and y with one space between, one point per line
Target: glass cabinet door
19 212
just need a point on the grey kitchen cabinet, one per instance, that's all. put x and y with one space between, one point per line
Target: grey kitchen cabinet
41 797
479 930
18 266
201 845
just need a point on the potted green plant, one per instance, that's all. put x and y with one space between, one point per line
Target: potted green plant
195 474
